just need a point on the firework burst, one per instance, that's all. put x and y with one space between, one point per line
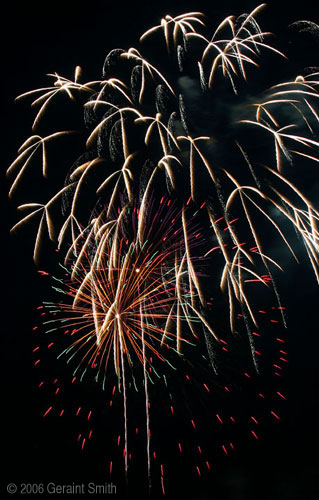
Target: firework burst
172 203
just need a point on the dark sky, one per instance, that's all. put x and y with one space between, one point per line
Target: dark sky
40 38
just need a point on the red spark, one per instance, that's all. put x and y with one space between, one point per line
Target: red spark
221 218
279 394
275 415
277 366
48 411
218 417
283 359
162 482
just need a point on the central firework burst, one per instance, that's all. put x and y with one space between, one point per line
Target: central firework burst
131 296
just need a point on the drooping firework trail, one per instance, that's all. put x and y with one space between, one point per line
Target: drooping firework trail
178 210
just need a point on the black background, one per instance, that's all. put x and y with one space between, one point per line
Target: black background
56 36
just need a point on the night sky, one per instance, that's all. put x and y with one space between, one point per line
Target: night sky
57 36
